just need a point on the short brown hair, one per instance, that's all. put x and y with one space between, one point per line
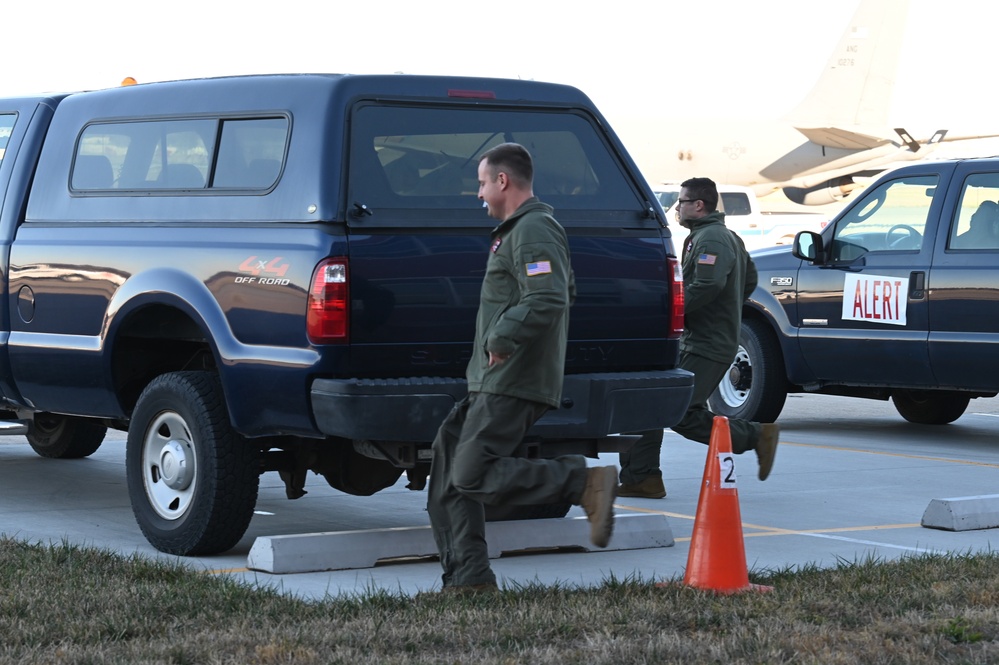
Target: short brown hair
513 159
703 189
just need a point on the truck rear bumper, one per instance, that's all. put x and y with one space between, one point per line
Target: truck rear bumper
593 405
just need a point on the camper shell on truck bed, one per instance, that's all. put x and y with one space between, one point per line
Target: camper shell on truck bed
281 273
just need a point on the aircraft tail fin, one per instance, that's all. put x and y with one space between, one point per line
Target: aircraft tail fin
854 92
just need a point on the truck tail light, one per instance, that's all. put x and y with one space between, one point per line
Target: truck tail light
328 316
676 298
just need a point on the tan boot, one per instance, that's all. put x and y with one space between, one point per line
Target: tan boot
598 502
766 447
649 488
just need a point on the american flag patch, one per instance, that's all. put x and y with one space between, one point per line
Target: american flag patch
707 259
539 268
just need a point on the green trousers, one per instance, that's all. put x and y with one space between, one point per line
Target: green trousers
473 465
642 460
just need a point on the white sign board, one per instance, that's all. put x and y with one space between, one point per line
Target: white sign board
875 298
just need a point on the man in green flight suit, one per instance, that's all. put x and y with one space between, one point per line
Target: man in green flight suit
718 275
514 377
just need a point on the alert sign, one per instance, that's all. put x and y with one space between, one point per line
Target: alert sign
875 298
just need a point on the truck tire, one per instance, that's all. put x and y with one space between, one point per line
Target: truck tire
64 437
192 479
929 407
755 388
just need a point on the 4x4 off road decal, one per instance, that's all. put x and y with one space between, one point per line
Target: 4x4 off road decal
263 271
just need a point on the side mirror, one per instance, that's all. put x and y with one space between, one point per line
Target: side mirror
808 247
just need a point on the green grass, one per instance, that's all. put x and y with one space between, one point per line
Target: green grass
65 604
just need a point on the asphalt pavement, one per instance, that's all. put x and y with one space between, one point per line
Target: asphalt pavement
852 481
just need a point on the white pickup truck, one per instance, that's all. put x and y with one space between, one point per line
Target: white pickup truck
743 214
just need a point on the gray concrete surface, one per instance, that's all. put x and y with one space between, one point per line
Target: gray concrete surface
851 481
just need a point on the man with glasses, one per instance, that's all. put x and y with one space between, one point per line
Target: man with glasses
718 275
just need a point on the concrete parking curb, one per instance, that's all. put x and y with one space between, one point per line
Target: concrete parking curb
963 513
344 550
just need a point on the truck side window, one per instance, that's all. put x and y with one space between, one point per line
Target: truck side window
408 158
149 155
6 127
250 152
178 154
667 199
976 221
735 204
891 218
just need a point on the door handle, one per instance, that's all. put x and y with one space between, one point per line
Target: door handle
917 285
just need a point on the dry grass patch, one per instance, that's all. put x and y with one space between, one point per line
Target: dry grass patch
63 604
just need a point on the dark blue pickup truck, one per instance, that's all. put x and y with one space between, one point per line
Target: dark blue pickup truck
281 273
897 298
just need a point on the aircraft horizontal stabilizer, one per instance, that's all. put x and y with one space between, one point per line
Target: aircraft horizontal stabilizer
953 138
845 138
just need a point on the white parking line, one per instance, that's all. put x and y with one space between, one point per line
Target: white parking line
920 550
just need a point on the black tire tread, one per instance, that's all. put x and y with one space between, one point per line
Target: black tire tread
768 392
229 486
927 407
70 438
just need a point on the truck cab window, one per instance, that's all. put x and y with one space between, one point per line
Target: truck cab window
975 225
6 127
890 218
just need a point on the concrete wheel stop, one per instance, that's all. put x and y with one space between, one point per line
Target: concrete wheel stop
343 550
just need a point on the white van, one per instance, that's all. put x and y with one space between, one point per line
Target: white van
744 216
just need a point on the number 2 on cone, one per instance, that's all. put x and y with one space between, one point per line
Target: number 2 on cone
726 471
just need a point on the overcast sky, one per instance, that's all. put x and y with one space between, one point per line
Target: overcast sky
632 58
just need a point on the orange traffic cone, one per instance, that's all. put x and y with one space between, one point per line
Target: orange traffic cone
717 558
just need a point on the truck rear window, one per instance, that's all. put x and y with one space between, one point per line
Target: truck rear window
410 158
180 154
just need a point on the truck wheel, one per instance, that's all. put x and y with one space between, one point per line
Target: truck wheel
538 512
64 437
928 407
192 479
755 387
